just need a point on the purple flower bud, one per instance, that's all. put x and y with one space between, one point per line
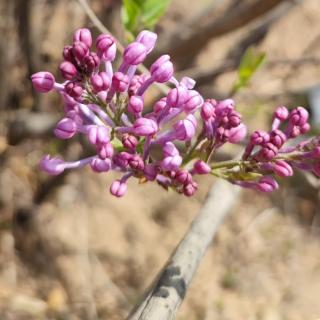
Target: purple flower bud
98 135
118 188
91 62
80 50
183 177
68 54
281 113
52 166
234 118
305 128
162 69
145 127
135 105
148 39
134 53
121 159
129 142
282 168
160 105
83 35
186 129
136 162
259 137
190 189
170 150
207 110
189 83
267 184
136 83
299 116
171 163
278 138
224 107
105 150
100 165
193 101
68 70
74 90
120 82
201 167
177 96
65 129
100 82
267 152
43 81
150 171
237 134
106 47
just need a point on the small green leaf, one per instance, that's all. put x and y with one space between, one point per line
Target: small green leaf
153 10
251 61
130 12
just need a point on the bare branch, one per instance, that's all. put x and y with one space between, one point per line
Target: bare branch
163 300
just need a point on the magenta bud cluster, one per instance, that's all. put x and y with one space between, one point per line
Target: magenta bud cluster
171 142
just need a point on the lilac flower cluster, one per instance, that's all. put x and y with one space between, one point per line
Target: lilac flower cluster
174 140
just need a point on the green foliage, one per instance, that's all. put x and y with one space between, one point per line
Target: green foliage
140 14
251 61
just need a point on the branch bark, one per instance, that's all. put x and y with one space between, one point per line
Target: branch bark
169 289
185 46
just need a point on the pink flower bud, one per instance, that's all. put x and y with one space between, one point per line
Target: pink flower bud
193 101
186 129
91 62
267 152
129 142
183 177
68 54
282 168
237 134
145 127
267 184
189 83
259 137
201 167
150 171
299 116
162 69
136 162
74 90
224 107
122 159
190 189
171 163
43 81
207 110
134 53
118 188
105 150
281 113
65 129
100 165
98 135
278 138
136 83
160 105
80 50
83 35
305 128
234 118
120 82
135 105
177 96
170 150
100 81
106 47
68 70
52 166
148 39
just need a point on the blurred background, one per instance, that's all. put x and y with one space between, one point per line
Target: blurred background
69 250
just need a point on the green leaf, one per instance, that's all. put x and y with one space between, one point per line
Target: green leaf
130 12
251 61
153 10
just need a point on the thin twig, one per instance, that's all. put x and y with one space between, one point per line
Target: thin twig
101 27
170 287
